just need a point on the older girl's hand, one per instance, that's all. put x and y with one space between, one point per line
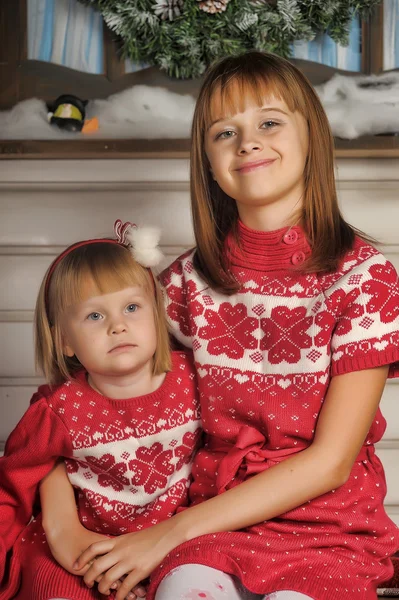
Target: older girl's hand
131 557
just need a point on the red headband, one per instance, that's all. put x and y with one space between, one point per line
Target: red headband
67 251
121 230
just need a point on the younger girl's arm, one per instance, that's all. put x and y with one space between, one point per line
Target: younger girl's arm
65 534
345 419
57 500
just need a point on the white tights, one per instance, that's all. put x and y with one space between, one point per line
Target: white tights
198 582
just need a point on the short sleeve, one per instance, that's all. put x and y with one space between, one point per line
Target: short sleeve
176 292
366 334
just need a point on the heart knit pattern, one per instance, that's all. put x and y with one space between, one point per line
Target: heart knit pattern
129 461
265 357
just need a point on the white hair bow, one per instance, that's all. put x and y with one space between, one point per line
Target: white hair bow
142 241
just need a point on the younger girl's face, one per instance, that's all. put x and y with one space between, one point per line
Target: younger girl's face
111 334
258 156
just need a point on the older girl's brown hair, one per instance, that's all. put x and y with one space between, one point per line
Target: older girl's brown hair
215 213
111 267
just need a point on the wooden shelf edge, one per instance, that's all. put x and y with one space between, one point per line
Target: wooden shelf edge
364 147
367 153
368 146
90 149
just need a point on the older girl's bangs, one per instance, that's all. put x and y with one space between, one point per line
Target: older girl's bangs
95 269
229 93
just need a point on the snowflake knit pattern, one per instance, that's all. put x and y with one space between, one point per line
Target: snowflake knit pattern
264 359
130 461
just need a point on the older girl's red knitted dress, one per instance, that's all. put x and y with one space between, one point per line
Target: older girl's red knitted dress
264 359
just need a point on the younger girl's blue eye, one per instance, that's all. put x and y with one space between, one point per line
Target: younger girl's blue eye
131 308
94 316
225 135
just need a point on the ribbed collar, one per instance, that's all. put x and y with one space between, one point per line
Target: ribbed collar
267 250
168 385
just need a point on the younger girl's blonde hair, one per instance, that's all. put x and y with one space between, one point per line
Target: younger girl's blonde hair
111 267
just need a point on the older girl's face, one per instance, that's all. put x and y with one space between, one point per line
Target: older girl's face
258 156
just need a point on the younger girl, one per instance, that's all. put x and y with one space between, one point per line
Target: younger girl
119 407
293 321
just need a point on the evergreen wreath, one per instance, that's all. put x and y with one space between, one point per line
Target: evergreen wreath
182 37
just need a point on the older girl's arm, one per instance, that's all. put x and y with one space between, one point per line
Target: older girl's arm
345 419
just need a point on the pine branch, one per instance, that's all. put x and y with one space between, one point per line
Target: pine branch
183 40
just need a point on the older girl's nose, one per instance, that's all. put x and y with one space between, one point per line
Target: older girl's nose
248 144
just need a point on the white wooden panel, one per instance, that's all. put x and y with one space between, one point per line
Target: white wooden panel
389 403
94 171
53 203
21 275
59 218
14 401
389 406
16 350
392 255
373 209
367 169
390 409
393 513
20 278
390 460
163 170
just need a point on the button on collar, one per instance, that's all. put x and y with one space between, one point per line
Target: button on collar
290 237
298 258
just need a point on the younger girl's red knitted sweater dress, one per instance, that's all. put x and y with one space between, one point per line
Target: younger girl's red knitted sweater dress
130 461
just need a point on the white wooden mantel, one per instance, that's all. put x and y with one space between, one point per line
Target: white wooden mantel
47 204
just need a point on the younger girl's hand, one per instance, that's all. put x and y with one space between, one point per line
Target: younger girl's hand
132 556
67 543
139 591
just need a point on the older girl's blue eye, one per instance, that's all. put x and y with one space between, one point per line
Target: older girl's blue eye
94 316
131 308
269 124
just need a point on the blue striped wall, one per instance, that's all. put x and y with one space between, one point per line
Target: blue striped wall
67 33
391 34
324 50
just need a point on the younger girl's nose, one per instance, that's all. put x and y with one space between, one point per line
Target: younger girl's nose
118 328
